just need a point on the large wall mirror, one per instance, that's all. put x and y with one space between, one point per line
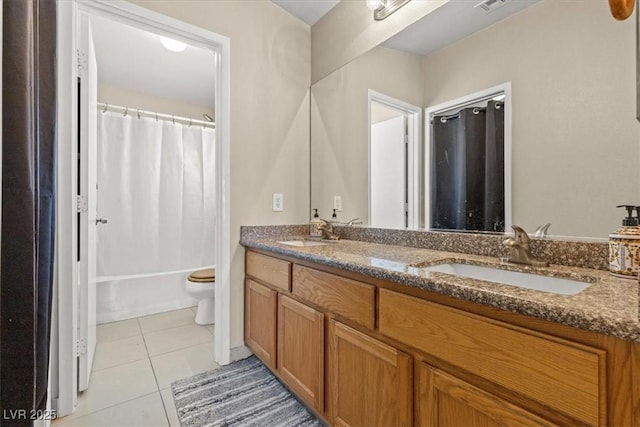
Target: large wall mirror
575 146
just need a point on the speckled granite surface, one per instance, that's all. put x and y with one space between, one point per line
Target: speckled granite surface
609 305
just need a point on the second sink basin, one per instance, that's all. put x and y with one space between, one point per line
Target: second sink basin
556 285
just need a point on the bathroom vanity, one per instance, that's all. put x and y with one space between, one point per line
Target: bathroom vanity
366 335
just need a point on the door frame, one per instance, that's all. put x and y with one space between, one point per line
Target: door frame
485 94
413 151
64 358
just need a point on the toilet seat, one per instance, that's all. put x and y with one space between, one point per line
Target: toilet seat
208 275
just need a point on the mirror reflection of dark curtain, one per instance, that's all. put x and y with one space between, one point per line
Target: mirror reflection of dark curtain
467 172
28 203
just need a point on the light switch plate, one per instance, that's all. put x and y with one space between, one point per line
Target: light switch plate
337 203
278 202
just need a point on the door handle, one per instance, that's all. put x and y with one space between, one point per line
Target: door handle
102 220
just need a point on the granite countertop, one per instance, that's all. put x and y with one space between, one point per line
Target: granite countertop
609 306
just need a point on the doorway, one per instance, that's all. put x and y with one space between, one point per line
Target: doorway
394 135
74 286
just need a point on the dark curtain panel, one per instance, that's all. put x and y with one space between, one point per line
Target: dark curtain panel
447 188
467 170
28 202
494 163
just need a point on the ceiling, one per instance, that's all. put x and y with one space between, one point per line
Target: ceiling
134 59
448 23
309 11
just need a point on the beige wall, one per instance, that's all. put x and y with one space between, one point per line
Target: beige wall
270 78
349 30
575 137
114 95
339 131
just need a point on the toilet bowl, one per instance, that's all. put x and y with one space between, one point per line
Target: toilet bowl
201 286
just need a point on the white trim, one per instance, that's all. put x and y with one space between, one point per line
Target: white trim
67 142
415 119
66 278
459 103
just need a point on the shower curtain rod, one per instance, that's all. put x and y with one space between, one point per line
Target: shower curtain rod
476 110
158 116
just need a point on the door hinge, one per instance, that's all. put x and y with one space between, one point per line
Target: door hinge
81 60
406 207
81 204
81 347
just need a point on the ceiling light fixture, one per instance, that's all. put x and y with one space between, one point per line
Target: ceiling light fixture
172 45
383 8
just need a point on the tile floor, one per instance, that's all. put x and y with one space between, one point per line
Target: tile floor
135 363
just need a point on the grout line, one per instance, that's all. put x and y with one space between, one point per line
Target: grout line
155 377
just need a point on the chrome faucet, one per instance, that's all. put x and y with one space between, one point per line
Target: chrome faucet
520 250
353 221
327 230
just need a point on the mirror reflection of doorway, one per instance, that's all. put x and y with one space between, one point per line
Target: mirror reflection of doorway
393 141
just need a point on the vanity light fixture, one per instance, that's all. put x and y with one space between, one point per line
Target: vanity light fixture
383 8
172 45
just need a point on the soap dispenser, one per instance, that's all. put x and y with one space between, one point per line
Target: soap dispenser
314 225
624 246
334 217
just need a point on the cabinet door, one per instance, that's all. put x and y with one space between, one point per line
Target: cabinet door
301 350
260 321
444 400
370 382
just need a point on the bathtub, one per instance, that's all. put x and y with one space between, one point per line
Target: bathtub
125 297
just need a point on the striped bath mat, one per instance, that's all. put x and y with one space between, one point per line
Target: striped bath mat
244 393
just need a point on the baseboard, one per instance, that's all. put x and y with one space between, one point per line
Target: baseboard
239 353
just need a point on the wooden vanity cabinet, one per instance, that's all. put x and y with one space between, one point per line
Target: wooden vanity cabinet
370 382
301 350
260 321
372 353
265 276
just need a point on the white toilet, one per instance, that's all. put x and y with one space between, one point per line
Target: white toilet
201 286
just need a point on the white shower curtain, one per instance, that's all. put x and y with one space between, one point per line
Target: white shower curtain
156 187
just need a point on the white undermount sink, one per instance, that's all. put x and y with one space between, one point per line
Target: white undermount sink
556 285
303 243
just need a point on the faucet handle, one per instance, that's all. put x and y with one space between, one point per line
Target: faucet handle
542 230
521 236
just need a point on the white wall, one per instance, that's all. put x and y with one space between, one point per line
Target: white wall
575 137
270 79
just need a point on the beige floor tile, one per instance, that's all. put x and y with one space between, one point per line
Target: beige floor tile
114 353
170 407
212 329
141 412
112 386
173 339
194 309
170 319
117 330
183 363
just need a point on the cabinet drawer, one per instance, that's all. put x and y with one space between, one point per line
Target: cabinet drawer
345 297
272 271
566 376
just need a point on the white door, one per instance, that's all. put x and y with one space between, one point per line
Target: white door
87 111
388 157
